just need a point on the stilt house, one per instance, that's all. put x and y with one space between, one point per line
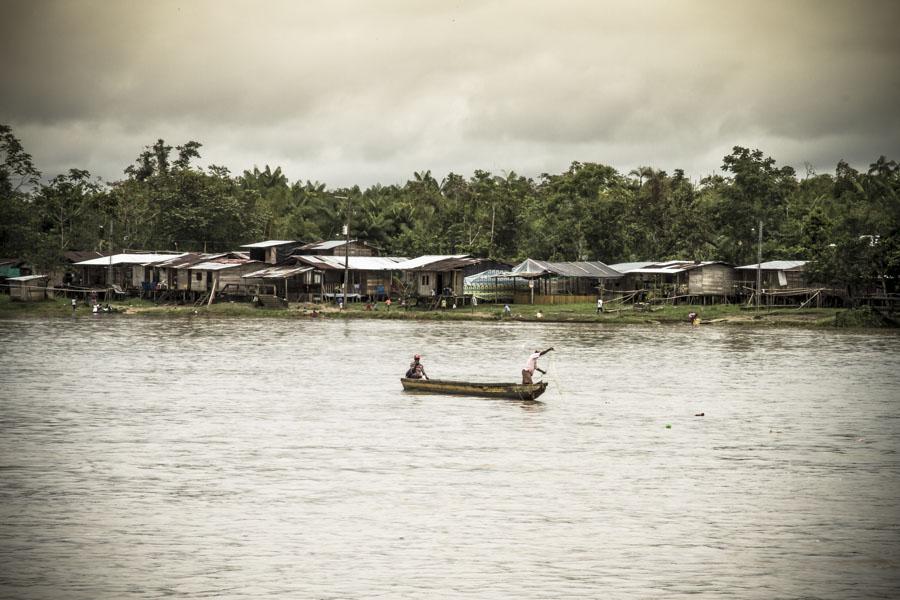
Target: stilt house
562 282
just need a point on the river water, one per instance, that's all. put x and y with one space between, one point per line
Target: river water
280 459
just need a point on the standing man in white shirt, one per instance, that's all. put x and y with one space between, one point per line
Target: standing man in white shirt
531 366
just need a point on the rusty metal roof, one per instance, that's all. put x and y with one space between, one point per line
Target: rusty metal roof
183 261
356 263
279 272
220 264
325 245
673 267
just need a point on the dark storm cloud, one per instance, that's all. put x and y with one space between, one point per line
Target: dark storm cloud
358 92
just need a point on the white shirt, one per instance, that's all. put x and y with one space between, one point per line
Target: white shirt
532 362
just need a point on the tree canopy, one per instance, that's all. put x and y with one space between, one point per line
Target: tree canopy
846 223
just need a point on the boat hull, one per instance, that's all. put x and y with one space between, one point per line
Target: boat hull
512 391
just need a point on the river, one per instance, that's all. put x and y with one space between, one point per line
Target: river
270 458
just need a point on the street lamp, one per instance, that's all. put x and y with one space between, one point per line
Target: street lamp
346 249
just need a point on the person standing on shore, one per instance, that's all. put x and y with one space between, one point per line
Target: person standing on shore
599 305
74 305
531 366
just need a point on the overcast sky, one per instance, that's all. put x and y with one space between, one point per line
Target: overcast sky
367 92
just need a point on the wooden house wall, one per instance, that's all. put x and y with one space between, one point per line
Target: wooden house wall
796 279
28 291
140 274
365 283
643 281
356 248
233 275
520 297
272 255
191 280
427 282
711 280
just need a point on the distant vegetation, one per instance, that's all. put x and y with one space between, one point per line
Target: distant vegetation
846 222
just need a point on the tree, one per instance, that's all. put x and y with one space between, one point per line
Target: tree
62 204
756 191
18 220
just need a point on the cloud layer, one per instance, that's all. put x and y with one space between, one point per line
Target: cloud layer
364 92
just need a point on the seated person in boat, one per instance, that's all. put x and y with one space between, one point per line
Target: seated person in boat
416 369
531 366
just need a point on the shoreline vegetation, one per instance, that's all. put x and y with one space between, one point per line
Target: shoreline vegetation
715 315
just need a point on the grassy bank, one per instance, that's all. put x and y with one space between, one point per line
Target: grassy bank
579 313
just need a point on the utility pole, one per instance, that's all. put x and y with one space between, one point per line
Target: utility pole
346 251
109 277
759 266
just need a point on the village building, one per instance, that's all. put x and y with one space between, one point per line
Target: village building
272 252
678 281
370 277
783 283
120 272
292 281
12 267
562 282
67 274
223 276
435 277
172 278
28 288
297 274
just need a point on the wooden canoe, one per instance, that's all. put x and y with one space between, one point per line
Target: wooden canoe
513 391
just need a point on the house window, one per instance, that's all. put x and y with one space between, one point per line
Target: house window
425 279
199 276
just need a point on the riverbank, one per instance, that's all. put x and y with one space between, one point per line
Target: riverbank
563 313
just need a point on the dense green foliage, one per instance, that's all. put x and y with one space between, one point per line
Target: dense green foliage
847 222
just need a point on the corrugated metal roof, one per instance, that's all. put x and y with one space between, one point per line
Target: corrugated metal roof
673 267
269 244
222 264
278 272
183 261
536 268
778 265
630 266
430 262
75 256
356 263
128 259
24 278
325 245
